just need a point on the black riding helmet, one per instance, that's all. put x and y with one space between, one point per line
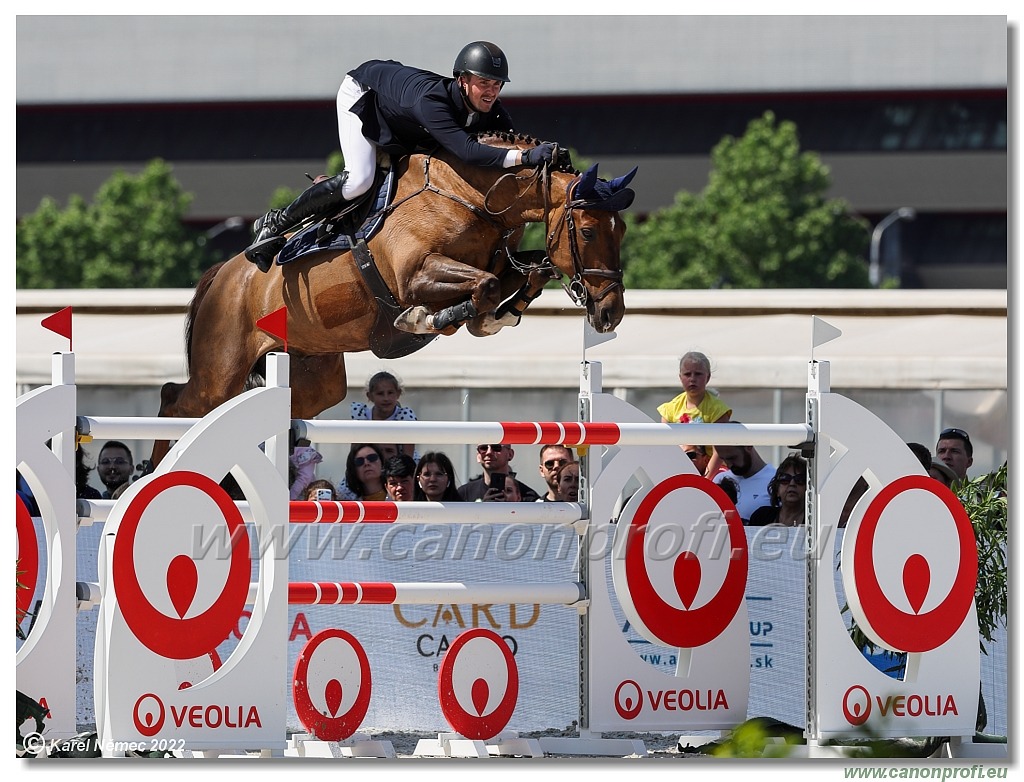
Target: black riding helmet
483 59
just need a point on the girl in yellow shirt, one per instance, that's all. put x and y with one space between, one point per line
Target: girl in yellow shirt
696 405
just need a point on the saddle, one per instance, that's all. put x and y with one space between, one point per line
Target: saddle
342 231
350 230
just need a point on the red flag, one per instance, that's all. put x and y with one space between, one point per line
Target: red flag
276 324
60 323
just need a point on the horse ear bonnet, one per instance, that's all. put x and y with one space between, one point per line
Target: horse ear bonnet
611 196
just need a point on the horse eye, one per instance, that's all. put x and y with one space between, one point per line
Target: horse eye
588 233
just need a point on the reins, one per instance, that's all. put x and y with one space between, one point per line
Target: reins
575 289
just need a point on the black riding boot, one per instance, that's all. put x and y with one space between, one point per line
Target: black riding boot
270 228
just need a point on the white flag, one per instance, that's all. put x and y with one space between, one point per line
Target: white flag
591 337
822 332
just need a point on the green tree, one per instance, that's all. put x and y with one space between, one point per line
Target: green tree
762 222
131 236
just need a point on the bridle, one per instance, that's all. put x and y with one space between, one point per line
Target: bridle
575 289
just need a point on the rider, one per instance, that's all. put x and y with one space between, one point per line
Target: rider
383 103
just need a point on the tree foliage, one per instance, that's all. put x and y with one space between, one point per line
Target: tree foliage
131 236
762 222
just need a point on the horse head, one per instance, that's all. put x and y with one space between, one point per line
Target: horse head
586 242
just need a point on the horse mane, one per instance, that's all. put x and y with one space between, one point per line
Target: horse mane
513 139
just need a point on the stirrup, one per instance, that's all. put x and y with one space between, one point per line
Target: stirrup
263 253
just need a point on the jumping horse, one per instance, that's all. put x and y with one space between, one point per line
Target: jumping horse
446 254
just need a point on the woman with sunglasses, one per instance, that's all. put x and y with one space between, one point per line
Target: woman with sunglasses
363 474
787 490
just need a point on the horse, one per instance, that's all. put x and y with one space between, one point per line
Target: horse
445 251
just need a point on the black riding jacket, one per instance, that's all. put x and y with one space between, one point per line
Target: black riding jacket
407 110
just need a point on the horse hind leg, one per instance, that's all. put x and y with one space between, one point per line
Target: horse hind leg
169 394
317 382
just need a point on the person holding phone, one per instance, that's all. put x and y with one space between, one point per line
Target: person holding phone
494 458
320 490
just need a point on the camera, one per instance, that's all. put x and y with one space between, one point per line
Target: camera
324 495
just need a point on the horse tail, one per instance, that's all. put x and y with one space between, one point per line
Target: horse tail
202 288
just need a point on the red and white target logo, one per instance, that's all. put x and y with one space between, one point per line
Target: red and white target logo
628 700
478 684
172 608
857 705
684 570
28 558
149 714
331 686
913 600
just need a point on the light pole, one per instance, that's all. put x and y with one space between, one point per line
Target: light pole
874 267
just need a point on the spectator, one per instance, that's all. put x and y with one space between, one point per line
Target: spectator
512 493
304 458
697 404
495 459
115 467
552 457
363 478
787 490
569 482
859 490
398 478
701 456
82 470
314 488
922 453
942 472
956 450
732 491
751 474
387 450
383 390
435 479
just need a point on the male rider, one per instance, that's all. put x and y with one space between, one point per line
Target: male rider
401 109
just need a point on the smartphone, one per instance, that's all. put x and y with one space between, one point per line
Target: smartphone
323 495
498 481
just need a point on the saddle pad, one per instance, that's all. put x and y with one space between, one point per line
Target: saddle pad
306 242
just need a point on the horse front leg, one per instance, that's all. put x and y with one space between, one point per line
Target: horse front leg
539 273
441 280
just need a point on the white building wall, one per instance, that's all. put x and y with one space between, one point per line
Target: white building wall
89 59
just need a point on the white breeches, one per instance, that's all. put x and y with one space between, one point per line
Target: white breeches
360 153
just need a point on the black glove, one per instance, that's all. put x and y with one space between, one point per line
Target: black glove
535 156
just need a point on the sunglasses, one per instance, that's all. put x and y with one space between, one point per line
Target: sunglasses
954 432
551 464
484 448
118 460
359 461
786 478
694 455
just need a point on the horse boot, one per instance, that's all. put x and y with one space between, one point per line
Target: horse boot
270 228
420 320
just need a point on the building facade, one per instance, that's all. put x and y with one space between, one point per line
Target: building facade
906 111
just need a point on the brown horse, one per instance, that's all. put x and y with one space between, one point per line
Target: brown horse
445 251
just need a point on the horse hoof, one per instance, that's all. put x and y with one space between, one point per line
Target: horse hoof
414 321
